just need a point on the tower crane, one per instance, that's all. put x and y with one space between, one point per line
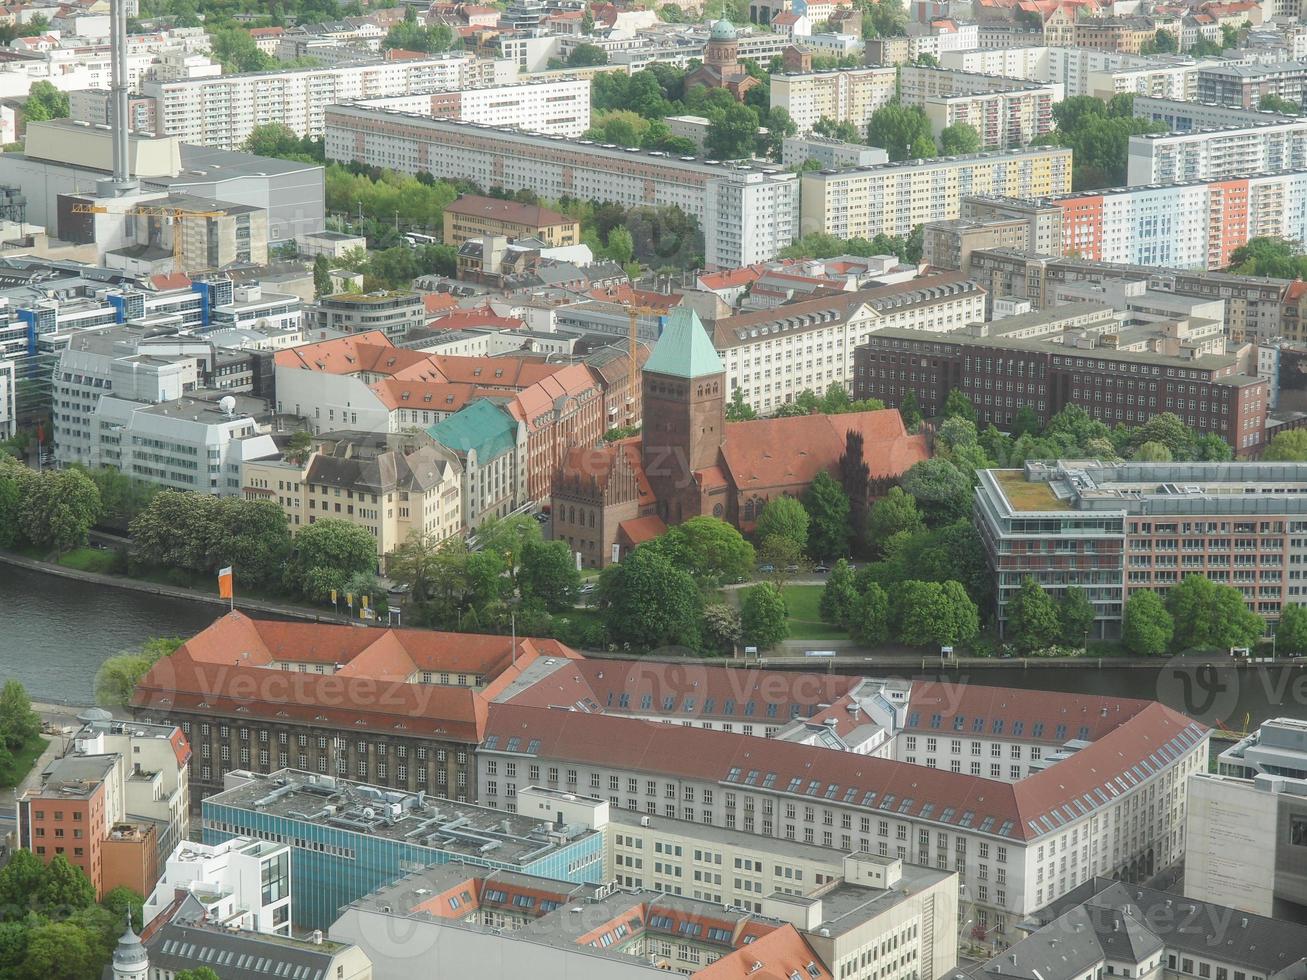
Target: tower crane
177 214
633 312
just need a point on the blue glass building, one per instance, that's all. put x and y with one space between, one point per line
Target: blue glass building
350 838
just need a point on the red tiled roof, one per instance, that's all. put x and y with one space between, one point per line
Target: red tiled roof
513 211
732 278
434 396
337 356
1295 290
435 302
783 451
638 530
779 955
959 707
171 280
482 316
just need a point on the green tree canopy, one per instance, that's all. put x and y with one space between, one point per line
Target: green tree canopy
326 554
941 491
958 139
784 517
587 55
648 602
828 512
732 132
1289 446
1032 621
1209 614
708 548
1146 627
549 574
59 508
19 724
1291 631
933 613
871 617
839 596
1075 614
894 513
763 616
44 101
902 131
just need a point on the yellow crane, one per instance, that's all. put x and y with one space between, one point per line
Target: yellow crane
634 312
177 214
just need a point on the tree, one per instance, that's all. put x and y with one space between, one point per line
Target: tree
508 537
1032 621
1289 446
122 900
764 619
708 548
1075 614
784 517
236 51
1146 627
58 951
1163 42
894 513
1207 614
19 724
1168 430
1273 257
1291 631
839 597
199 973
44 101
324 556
828 517
1098 135
549 575
910 411
780 552
958 139
64 886
272 140
902 131
934 614
721 627
870 619
1275 103
408 35
942 493
855 478
321 276
587 55
731 132
1153 452
846 132
779 125
958 405
59 509
738 410
647 602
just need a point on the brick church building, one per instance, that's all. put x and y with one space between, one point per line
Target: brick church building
689 461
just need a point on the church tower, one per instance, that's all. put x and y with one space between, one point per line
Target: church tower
684 412
130 961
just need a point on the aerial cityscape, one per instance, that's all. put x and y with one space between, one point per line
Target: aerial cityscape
589 489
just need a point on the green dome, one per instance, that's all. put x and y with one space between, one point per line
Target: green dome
723 30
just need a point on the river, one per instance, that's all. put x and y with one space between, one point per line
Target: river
55 633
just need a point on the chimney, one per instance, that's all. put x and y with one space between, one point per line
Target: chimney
121 183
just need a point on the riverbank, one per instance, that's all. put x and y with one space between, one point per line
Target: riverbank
284 609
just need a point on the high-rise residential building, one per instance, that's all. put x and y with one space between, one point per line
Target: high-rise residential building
894 198
1247 83
223 111
1184 117
1116 528
557 106
845 95
1005 112
1212 154
1189 225
747 213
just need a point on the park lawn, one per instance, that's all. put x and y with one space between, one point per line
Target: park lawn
21 762
89 560
804 605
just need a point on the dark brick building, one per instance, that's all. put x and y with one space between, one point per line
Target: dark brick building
1001 376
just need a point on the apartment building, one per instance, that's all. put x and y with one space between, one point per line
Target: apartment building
223 111
894 198
474 216
1246 84
1117 384
1015 845
1185 117
390 491
832 154
1005 112
1131 526
748 214
1192 225
1085 71
1083 935
772 355
242 882
556 106
350 837
1170 158
844 95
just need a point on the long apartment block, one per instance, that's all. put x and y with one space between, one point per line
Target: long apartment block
844 95
748 214
1211 154
223 111
1187 226
555 107
896 197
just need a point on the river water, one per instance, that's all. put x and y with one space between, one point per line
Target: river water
55 633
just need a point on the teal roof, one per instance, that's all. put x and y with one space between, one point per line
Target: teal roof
482 426
723 30
684 350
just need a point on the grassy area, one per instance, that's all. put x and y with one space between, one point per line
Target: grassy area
804 605
21 762
1024 495
90 560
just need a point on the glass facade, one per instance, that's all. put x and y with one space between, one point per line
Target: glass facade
331 866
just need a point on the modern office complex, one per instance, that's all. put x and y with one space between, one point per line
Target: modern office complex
349 838
1212 154
242 882
1190 225
222 111
748 214
847 95
1277 748
1115 528
894 198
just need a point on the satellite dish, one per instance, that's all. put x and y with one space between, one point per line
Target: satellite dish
228 405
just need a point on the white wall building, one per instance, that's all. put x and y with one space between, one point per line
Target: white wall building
1172 158
223 111
555 107
8 396
745 212
229 881
845 95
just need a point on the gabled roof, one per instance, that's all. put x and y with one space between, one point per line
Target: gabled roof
781 954
684 350
483 426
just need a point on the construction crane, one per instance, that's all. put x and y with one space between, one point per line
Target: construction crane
178 215
633 313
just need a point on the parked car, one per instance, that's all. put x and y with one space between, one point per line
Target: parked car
767 569
587 588
791 568
821 569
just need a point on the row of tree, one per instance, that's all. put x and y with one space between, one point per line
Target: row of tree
45 510
1195 614
20 731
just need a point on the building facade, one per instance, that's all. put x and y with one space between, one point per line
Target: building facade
393 313
557 106
846 95
1212 154
473 216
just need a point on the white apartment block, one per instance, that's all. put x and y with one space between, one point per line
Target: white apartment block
223 111
1105 797
844 95
773 355
746 213
1083 71
832 154
896 197
554 107
1005 112
8 398
1183 117
1172 158
228 880
918 84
